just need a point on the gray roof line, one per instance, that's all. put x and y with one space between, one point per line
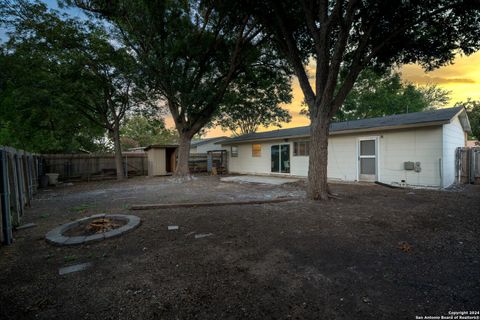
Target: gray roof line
205 141
415 118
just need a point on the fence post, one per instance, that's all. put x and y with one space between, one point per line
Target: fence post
30 177
126 166
471 169
5 198
19 182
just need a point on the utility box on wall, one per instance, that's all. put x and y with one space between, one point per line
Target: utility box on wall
408 165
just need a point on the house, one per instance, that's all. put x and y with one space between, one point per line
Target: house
205 145
416 149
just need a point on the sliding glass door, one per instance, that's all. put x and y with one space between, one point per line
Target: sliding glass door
280 156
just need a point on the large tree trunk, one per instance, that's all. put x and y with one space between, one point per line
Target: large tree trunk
183 154
118 151
317 188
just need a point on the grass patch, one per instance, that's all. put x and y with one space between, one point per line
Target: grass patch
70 258
82 208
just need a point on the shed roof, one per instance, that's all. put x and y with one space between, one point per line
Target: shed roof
415 119
161 146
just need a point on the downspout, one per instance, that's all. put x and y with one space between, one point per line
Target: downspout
440 171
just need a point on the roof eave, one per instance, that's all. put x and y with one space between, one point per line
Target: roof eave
464 121
340 132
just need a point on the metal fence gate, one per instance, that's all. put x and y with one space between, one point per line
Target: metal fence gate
19 173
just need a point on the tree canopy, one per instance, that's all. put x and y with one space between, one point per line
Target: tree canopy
246 108
379 93
193 54
91 75
141 131
37 110
473 111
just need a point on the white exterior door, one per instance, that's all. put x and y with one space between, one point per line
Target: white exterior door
367 159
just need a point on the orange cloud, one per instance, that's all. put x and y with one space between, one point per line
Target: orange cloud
438 80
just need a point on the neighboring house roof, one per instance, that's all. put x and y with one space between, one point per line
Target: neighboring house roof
473 143
415 119
206 141
161 146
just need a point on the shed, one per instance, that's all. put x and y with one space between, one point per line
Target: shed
162 159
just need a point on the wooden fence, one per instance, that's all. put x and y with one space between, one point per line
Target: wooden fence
19 176
468 165
87 167
204 162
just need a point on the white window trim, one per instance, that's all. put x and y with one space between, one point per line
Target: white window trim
290 154
231 152
293 148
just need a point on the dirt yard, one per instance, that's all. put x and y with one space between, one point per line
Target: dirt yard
377 253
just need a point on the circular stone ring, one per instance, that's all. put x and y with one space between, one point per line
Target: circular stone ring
56 236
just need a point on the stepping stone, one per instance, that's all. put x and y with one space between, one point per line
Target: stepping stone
172 227
26 226
203 235
74 268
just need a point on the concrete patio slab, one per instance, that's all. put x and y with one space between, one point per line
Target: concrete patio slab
259 179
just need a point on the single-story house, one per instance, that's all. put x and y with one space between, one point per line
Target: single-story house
416 149
162 159
205 145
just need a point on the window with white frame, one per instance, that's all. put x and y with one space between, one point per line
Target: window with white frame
301 148
234 151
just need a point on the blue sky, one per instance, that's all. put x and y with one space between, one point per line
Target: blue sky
52 4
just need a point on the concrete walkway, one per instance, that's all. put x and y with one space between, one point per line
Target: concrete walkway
259 179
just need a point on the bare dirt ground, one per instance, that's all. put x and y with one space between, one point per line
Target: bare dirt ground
377 253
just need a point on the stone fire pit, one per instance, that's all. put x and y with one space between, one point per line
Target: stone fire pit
94 228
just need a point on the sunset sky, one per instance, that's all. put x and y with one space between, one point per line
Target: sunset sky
462 78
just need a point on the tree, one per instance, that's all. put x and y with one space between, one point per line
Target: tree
98 77
344 37
141 131
192 54
249 108
36 114
378 93
114 74
473 112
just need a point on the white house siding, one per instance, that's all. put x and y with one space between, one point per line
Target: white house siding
245 163
453 137
422 145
